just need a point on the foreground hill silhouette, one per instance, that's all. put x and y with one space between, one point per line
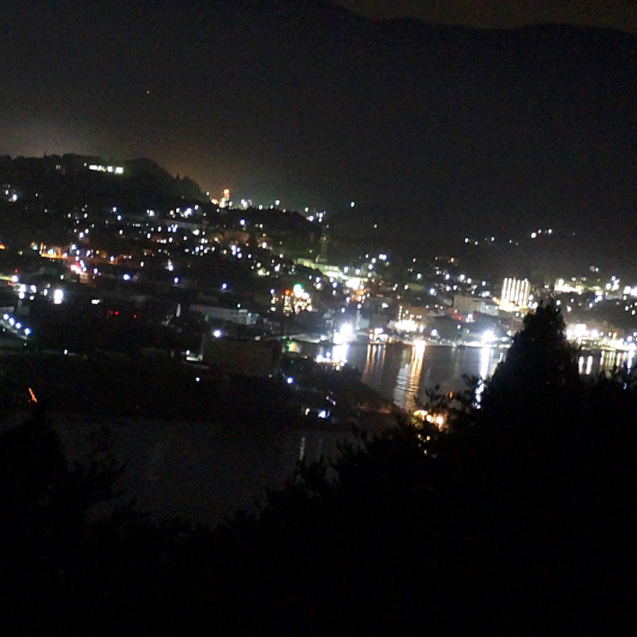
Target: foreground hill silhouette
519 518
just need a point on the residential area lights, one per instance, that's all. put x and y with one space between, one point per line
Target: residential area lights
361 292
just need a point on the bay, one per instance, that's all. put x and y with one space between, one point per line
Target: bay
401 373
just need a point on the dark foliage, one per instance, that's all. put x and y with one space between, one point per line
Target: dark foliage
539 380
46 522
518 518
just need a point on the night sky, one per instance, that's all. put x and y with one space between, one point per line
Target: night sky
505 14
448 129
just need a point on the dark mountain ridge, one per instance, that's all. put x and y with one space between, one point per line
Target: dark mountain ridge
445 131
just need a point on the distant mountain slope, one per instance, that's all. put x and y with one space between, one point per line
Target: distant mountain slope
76 180
439 131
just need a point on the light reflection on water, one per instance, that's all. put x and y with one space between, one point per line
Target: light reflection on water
401 373
424 367
593 364
486 368
408 377
373 365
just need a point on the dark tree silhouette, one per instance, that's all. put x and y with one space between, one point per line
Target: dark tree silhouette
502 523
539 378
45 516
518 517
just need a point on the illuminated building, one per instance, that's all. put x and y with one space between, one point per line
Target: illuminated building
573 286
293 300
225 200
411 318
408 312
115 170
515 294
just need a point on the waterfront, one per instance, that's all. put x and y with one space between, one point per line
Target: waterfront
402 372
206 470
